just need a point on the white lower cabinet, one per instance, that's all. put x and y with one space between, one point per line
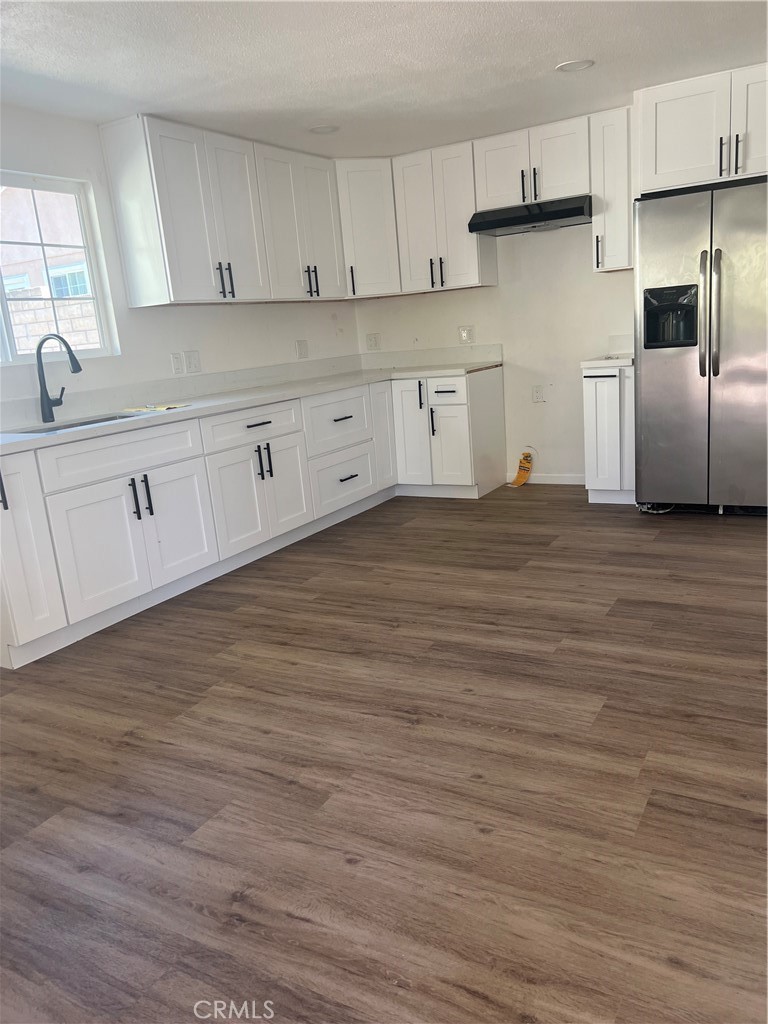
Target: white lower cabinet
382 412
118 539
259 492
609 473
450 445
32 600
340 478
411 414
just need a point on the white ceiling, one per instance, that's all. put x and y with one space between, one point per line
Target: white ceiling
394 76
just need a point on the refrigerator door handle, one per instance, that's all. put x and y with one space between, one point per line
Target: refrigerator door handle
717 263
703 305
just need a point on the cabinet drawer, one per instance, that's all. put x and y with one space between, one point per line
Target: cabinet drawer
447 390
337 419
100 458
338 480
231 429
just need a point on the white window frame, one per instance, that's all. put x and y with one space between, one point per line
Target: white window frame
94 261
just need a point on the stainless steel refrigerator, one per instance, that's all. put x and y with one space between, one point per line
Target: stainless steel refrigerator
701 362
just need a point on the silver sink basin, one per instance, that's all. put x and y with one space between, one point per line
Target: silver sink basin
57 428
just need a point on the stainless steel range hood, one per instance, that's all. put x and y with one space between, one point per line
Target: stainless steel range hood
516 220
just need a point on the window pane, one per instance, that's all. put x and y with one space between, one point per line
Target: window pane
23 271
68 271
78 323
30 321
17 215
59 218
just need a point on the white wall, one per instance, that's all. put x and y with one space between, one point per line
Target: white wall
227 337
548 312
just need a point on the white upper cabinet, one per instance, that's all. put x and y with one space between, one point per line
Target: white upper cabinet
559 159
416 229
748 120
185 209
369 232
237 217
611 193
502 170
322 229
281 204
434 200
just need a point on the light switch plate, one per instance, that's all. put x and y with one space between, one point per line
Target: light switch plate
177 362
467 335
192 361
302 349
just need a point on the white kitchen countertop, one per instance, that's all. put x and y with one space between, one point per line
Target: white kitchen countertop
609 361
208 405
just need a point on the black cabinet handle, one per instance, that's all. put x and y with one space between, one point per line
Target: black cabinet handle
722 143
597 252
432 273
736 155
3 495
445 391
261 423
268 450
442 272
352 276
231 282
522 183
308 272
136 509
421 398
150 507
340 419
432 421
343 479
257 449
535 185
223 292
601 376
317 286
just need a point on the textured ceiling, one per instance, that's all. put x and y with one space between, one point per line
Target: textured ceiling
394 76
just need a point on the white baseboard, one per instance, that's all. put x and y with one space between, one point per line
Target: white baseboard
611 497
437 491
552 478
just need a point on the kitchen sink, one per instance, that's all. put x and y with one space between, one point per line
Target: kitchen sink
57 428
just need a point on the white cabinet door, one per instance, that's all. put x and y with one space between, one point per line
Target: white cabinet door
450 443
411 416
502 170
602 431
322 228
454 182
748 120
367 206
238 494
178 520
185 209
611 190
416 229
684 132
237 216
99 544
289 498
560 159
384 434
30 578
282 211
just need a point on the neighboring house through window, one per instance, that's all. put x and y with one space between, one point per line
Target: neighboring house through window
50 283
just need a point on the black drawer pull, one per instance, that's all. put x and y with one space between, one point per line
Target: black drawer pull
343 479
421 400
268 450
339 419
432 421
261 423
223 292
445 391
150 506
308 272
136 509
3 495
257 449
601 376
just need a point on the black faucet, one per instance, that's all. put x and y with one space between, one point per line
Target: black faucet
47 403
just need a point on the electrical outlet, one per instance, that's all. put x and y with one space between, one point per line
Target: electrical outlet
538 393
373 342
177 362
302 349
467 335
192 362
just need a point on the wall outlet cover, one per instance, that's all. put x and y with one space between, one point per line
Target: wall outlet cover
373 342
192 361
538 393
302 349
467 335
177 362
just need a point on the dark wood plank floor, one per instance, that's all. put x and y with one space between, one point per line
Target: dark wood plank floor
446 762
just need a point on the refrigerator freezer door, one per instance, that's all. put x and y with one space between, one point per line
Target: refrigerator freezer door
738 419
672 238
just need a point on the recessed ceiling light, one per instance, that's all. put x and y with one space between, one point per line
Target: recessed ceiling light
324 129
574 65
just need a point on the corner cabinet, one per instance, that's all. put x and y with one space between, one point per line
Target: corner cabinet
611 191
434 201
609 432
368 228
